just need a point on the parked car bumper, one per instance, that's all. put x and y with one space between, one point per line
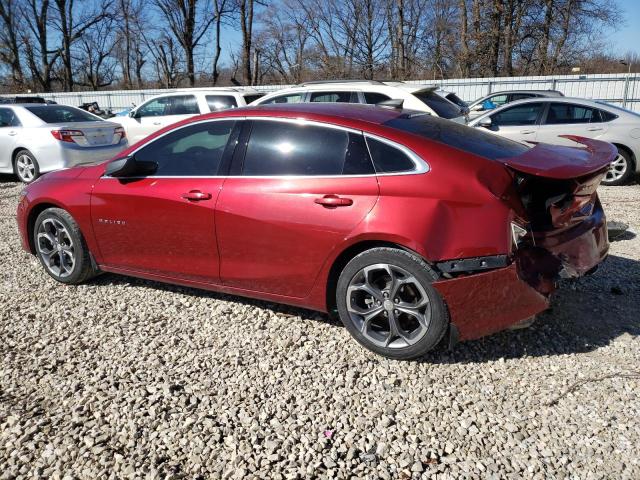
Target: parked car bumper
484 303
66 155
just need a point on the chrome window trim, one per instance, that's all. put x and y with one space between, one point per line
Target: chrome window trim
421 166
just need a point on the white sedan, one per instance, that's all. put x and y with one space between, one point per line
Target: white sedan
39 138
547 119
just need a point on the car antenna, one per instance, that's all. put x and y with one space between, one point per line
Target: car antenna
391 103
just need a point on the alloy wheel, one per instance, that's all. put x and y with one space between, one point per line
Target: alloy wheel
25 168
617 169
388 305
55 247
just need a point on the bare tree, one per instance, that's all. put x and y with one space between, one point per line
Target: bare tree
40 57
95 49
10 40
185 23
222 9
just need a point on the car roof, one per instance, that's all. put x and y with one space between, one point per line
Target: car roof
551 93
332 111
584 101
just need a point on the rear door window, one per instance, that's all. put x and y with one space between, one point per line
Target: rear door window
526 114
334 97
521 96
290 98
220 102
8 118
284 148
184 105
563 113
253 97
196 150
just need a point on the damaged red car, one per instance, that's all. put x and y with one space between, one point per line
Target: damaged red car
413 229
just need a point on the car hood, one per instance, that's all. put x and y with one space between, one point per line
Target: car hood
554 161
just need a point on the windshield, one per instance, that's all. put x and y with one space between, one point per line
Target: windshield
443 107
456 135
61 114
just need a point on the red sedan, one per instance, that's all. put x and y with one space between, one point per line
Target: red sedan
410 227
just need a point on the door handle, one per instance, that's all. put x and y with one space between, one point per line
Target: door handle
196 195
527 132
332 201
594 129
157 123
12 133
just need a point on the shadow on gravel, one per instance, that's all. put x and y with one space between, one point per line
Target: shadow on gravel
585 315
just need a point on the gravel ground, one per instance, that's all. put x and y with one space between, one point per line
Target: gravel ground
126 378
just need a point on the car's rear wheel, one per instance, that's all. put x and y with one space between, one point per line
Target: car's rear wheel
621 169
386 301
61 248
25 166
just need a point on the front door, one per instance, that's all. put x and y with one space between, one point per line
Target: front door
302 189
159 113
165 223
9 125
519 122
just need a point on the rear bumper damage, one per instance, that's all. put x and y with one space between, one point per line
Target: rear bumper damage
484 303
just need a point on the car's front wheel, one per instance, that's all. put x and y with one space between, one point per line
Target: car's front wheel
25 166
386 301
620 170
61 248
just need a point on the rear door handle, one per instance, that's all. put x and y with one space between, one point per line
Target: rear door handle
196 195
12 133
527 132
332 201
157 123
594 129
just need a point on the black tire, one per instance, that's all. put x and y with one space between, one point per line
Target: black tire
622 169
19 160
70 237
426 337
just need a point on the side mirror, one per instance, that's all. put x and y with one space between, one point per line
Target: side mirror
132 113
130 167
485 122
477 108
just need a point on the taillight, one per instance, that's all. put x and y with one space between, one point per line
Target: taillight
66 135
120 130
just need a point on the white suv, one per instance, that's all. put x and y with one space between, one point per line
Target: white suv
372 92
168 108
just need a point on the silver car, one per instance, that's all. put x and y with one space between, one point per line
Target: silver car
548 120
36 138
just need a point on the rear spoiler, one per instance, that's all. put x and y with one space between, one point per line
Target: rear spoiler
560 162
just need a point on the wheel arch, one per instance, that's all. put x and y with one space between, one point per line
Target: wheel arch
345 257
31 220
629 151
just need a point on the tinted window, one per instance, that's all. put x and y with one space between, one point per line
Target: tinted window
184 105
372 98
452 97
61 114
155 108
521 96
616 107
334 97
443 107
281 148
607 116
250 98
220 102
456 135
526 114
291 98
388 159
560 113
189 151
8 118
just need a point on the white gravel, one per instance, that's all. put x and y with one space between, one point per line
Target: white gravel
126 378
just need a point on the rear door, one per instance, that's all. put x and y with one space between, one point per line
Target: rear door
570 119
300 189
165 223
9 126
519 122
